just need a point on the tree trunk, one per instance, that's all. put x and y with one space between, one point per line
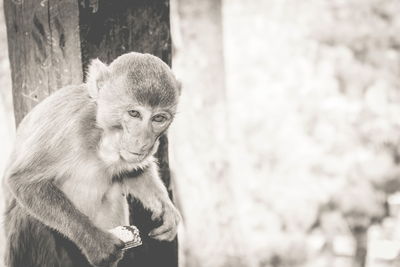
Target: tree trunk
211 236
360 235
44 49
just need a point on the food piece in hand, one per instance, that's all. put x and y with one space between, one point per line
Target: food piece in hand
128 234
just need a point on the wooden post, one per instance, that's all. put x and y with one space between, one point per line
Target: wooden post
44 49
51 43
204 101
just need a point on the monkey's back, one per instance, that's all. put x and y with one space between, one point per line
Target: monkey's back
41 136
45 128
40 140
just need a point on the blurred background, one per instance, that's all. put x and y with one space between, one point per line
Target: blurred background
285 150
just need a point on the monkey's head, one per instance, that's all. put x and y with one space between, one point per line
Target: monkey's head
136 98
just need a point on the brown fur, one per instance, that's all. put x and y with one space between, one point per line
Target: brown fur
69 149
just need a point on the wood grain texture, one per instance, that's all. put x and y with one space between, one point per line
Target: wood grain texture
121 26
44 49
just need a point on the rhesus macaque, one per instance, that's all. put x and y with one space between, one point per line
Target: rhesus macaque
79 154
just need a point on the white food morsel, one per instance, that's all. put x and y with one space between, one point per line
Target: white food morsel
128 234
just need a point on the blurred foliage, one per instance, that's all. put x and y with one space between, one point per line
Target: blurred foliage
313 90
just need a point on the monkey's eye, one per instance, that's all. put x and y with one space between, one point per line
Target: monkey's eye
159 118
134 113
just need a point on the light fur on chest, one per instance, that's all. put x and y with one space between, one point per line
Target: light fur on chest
91 188
93 192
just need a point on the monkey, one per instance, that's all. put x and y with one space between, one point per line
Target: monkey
78 154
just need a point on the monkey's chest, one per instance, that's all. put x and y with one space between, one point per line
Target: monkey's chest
112 209
104 203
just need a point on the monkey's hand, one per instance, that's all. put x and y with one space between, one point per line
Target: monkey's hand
152 193
170 218
106 251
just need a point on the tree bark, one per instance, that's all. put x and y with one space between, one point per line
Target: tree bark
205 182
44 49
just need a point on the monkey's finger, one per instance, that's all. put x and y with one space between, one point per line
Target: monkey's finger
160 230
165 233
167 236
156 216
115 263
114 258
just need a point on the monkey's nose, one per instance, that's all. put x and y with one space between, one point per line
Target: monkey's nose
144 147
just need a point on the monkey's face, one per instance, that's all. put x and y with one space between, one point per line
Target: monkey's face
136 99
131 129
141 128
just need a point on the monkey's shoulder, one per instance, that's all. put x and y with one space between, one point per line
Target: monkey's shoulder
61 111
58 125
68 99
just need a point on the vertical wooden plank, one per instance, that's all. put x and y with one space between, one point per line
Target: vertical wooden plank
27 43
43 56
65 44
122 26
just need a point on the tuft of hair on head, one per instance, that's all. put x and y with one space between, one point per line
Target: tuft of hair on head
97 73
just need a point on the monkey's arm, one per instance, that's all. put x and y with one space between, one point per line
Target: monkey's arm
149 189
48 204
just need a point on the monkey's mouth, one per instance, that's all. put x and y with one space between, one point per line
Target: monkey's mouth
132 156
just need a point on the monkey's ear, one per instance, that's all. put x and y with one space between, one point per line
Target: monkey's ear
97 74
